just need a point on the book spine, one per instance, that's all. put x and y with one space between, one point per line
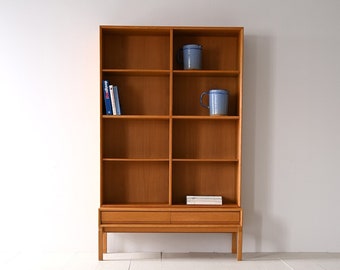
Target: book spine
116 97
112 96
204 200
204 203
107 99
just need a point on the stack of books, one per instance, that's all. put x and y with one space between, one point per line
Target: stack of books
111 98
204 200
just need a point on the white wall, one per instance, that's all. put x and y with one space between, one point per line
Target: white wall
49 107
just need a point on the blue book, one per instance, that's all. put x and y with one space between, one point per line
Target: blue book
107 99
116 98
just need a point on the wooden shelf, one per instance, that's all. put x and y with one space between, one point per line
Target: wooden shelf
135 159
205 160
210 118
207 73
166 207
136 117
145 72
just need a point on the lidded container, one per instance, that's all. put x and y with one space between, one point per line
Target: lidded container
192 56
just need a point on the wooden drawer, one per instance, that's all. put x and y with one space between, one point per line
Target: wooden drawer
227 217
134 217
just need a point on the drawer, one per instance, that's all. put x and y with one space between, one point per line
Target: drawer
223 217
134 217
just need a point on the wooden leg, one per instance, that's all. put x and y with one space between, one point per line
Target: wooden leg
234 243
104 242
100 244
239 245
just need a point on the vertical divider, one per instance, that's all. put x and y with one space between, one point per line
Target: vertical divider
170 112
239 138
101 113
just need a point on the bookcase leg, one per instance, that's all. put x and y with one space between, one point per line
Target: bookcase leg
239 245
104 242
100 244
234 243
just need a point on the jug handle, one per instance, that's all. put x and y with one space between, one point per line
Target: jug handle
179 56
201 99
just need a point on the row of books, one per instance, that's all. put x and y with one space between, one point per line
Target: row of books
204 200
111 98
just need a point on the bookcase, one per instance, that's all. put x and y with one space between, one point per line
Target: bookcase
165 146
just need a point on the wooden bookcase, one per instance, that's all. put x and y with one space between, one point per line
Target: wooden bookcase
165 146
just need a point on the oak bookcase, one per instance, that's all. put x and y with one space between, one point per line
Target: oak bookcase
165 146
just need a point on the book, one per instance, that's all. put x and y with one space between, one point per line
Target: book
113 104
116 98
204 200
107 99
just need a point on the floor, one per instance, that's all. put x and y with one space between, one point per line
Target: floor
170 261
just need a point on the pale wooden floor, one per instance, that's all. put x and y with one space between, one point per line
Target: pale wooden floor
170 261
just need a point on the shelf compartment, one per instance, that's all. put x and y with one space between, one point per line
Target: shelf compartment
143 93
187 91
220 48
135 49
204 179
144 182
205 139
135 138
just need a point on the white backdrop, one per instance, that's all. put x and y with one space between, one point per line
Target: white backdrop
49 107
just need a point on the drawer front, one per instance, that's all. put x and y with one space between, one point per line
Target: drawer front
134 217
226 217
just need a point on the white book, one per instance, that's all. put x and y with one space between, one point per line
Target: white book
117 103
112 97
204 203
204 200
204 197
